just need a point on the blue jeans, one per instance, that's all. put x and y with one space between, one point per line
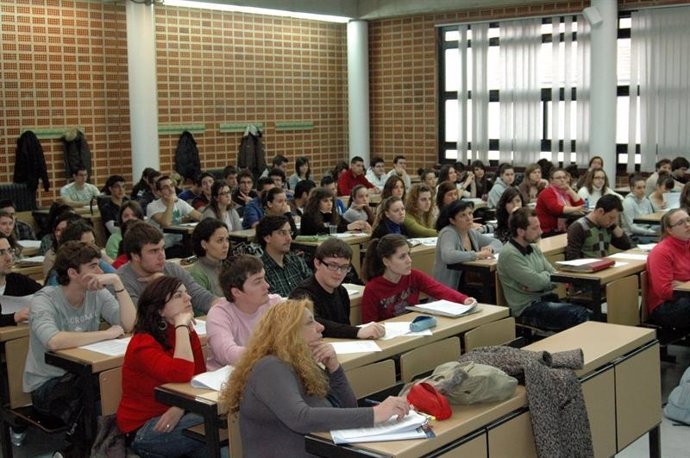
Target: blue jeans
149 443
554 316
673 314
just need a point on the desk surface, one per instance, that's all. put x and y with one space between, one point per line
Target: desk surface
600 342
683 287
245 234
652 218
354 238
184 229
553 245
630 267
447 327
13 332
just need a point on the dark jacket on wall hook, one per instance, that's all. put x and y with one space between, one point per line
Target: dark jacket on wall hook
187 162
30 163
77 152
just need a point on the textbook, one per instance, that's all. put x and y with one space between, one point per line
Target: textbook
445 308
586 265
413 426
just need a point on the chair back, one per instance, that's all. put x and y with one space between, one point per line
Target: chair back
372 378
498 332
15 355
427 357
110 382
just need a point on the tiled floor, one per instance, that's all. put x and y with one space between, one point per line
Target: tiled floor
675 440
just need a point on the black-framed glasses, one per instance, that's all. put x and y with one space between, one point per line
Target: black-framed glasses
337 268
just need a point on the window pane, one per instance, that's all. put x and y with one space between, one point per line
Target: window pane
451 121
623 64
452 35
493 63
494 117
452 63
623 119
451 154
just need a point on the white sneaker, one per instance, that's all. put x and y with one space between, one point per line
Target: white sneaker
17 438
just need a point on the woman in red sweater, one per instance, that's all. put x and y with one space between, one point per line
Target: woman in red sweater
392 283
164 349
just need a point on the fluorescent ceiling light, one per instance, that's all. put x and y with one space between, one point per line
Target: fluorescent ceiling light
254 10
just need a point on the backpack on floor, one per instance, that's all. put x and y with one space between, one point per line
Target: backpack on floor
678 406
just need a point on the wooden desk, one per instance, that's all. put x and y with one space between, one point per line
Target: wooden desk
620 364
245 235
423 258
683 288
554 247
355 303
652 218
355 240
204 402
595 281
33 271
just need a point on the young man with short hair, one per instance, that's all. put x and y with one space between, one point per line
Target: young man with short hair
230 177
169 210
354 176
278 162
13 284
525 276
244 193
663 165
331 300
68 316
299 201
284 270
400 169
205 183
377 173
143 245
668 265
254 210
230 323
22 231
593 235
679 170
79 193
505 179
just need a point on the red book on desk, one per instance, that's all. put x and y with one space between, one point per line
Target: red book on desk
585 265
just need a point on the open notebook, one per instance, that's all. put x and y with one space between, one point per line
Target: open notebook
445 308
413 426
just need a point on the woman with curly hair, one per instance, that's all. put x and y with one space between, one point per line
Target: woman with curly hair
282 392
164 349
419 212
319 215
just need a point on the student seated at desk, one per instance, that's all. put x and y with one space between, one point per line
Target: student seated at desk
557 203
144 191
331 299
80 231
79 193
419 212
130 210
204 183
667 265
7 229
392 283
110 204
510 200
596 185
358 208
164 349
244 192
525 276
282 392
319 215
255 209
68 316
637 204
221 207
22 230
458 242
210 243
663 185
390 218
446 193
284 269
50 241
230 323
593 235
394 186
13 284
143 245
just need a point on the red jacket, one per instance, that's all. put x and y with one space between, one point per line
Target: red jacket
549 208
383 299
348 180
146 366
668 261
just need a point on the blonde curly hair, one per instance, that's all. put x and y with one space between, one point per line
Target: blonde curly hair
279 334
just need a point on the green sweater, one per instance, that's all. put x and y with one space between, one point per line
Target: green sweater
416 229
524 277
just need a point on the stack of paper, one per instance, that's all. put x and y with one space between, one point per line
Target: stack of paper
426 241
30 261
409 427
213 380
355 346
444 308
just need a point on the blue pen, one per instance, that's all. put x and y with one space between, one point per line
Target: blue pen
372 402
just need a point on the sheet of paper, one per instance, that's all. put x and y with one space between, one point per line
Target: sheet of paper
189 224
672 200
32 260
30 243
426 241
620 264
448 307
633 256
646 246
213 380
12 304
355 346
200 327
115 347
400 329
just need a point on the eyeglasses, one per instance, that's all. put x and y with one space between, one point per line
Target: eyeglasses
10 251
337 268
681 222
283 232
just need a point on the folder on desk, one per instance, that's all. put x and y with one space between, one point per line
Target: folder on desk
445 308
586 265
413 426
